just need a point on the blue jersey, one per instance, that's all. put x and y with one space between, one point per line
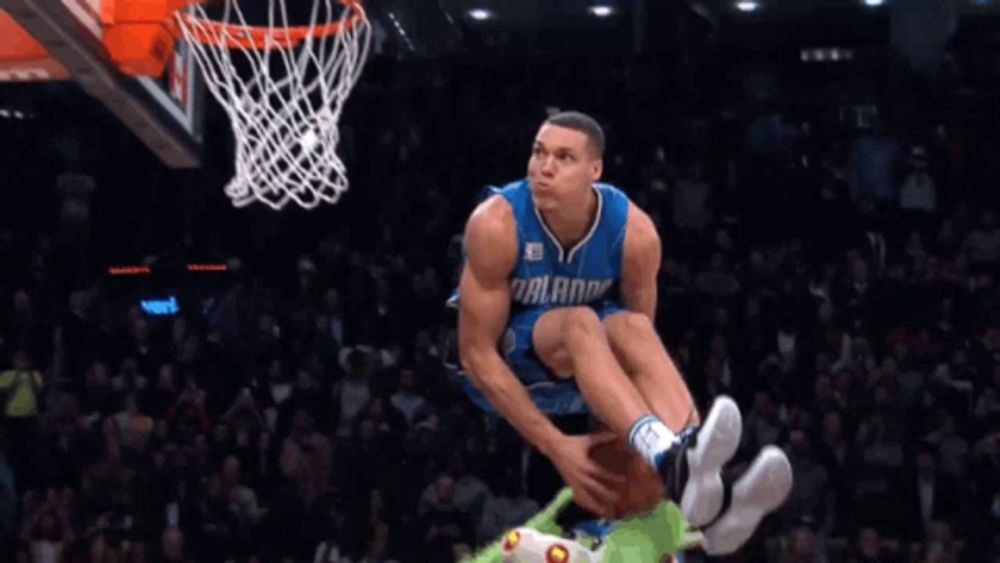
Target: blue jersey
549 274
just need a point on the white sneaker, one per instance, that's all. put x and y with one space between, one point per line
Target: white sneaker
760 490
694 466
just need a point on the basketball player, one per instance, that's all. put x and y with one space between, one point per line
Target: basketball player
559 283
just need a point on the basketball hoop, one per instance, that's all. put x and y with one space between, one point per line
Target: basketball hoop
283 87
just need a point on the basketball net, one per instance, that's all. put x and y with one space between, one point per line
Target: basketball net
284 94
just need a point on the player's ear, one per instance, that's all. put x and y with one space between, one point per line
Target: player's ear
597 168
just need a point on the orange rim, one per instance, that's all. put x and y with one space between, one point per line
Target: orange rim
234 36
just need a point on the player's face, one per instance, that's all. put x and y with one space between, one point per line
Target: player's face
562 166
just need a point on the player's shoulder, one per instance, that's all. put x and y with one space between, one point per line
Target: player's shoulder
636 218
639 219
491 218
491 237
641 236
496 206
615 199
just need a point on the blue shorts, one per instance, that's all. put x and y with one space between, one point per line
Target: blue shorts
552 394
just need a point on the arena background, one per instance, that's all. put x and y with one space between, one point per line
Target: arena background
237 384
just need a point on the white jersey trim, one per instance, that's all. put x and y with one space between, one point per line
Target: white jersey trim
563 256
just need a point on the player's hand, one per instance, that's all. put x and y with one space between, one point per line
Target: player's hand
594 487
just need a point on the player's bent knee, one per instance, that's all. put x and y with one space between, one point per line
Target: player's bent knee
628 325
581 324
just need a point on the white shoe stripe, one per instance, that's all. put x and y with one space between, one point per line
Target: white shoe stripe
718 439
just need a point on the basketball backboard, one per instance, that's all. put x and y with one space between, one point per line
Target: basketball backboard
165 112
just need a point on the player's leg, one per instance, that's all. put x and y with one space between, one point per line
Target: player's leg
760 490
572 341
639 350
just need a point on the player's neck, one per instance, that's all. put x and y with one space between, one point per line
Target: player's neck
571 221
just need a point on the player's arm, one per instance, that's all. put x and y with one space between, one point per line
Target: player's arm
484 307
641 255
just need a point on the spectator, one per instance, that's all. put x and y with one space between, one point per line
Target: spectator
305 458
244 416
307 394
716 281
874 474
48 531
802 546
930 495
26 329
811 498
871 548
157 399
918 194
952 448
508 508
870 165
442 523
241 499
762 425
939 545
406 398
353 393
172 548
20 394
988 404
129 428
98 551
692 199
983 243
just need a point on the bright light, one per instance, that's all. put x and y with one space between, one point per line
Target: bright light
826 54
874 3
402 32
747 5
601 10
480 14
160 307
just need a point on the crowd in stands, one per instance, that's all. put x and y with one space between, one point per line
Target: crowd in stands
842 287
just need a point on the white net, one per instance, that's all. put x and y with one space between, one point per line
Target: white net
284 101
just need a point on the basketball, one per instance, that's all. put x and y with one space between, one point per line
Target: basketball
642 489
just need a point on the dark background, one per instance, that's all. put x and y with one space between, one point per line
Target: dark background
857 329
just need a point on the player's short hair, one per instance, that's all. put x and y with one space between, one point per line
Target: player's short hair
583 123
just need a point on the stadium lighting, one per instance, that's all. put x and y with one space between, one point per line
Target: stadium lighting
601 10
748 5
402 32
826 55
874 3
480 14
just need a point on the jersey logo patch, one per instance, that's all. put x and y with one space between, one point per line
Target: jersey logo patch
533 251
